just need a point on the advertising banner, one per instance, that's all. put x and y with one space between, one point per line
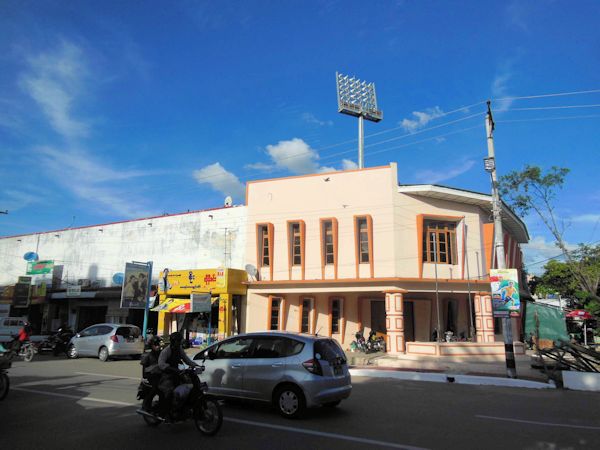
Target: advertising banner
505 292
40 267
135 286
22 293
201 303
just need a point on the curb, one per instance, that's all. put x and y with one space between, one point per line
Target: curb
440 377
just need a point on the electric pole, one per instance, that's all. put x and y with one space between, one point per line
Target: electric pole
490 166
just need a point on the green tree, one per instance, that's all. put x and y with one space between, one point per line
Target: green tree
533 191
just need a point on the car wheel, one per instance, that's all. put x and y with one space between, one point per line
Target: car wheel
103 354
290 401
332 404
72 352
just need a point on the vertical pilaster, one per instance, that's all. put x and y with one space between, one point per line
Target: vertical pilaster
484 318
394 321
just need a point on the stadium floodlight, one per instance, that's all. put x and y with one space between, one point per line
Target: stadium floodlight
357 98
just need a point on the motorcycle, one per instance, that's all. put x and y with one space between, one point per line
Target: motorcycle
57 343
4 381
27 351
374 343
359 342
191 401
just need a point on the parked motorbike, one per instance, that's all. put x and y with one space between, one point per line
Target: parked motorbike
58 342
374 343
191 401
359 342
4 381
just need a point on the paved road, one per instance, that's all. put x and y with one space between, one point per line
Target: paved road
56 403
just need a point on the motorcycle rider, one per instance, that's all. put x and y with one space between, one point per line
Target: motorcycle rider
151 371
23 336
168 362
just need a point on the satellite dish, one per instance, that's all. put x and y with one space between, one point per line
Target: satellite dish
118 278
228 201
31 256
251 270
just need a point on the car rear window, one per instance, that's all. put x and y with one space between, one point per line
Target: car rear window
329 349
276 347
128 332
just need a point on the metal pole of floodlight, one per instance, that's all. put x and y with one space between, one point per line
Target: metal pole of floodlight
357 98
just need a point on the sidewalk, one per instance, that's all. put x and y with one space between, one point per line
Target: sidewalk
439 369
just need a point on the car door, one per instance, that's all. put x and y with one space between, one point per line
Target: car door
265 367
83 343
101 339
225 366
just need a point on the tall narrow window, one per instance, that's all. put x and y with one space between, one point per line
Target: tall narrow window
296 244
305 317
363 240
439 242
275 310
265 246
328 242
336 312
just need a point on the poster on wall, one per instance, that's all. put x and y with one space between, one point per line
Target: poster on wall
135 286
506 301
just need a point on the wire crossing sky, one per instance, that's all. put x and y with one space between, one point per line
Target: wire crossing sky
118 110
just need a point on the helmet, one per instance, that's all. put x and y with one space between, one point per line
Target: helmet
154 341
175 338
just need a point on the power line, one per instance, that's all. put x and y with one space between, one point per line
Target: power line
552 107
557 94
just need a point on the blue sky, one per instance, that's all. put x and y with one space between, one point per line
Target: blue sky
118 110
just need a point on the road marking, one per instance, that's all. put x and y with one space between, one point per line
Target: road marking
324 434
76 397
533 422
108 376
245 422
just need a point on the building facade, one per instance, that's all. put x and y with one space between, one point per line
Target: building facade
345 252
82 290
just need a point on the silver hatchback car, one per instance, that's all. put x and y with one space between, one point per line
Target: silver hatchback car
292 370
105 340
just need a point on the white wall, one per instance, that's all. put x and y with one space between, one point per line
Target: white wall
201 239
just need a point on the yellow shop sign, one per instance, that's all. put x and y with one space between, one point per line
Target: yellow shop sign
180 282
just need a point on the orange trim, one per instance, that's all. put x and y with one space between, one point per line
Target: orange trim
271 230
420 220
290 246
270 310
464 249
282 314
357 243
337 172
484 281
359 312
488 244
270 235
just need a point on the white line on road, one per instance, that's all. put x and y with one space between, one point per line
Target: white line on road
323 434
106 375
533 422
76 397
245 422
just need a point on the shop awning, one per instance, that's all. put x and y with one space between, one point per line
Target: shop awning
174 305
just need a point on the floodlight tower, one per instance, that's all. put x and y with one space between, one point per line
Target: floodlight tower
357 98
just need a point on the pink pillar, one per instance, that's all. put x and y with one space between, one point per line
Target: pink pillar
394 321
484 319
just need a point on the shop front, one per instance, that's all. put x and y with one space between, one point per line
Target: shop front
220 317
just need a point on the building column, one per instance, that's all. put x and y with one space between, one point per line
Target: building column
484 318
394 321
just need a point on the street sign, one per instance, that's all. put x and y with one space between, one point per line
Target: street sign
73 291
201 302
40 267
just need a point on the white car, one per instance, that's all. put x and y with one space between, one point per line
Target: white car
106 340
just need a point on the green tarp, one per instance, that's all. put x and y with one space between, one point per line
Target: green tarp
552 322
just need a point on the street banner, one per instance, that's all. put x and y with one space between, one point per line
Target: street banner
201 302
40 267
135 286
506 301
22 293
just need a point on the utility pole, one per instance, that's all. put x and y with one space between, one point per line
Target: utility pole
490 166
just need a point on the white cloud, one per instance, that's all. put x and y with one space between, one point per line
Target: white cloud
13 200
348 164
500 86
421 119
53 80
586 218
432 176
221 180
260 166
294 155
311 119
516 12
538 251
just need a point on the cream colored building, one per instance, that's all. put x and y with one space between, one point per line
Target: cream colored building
346 251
